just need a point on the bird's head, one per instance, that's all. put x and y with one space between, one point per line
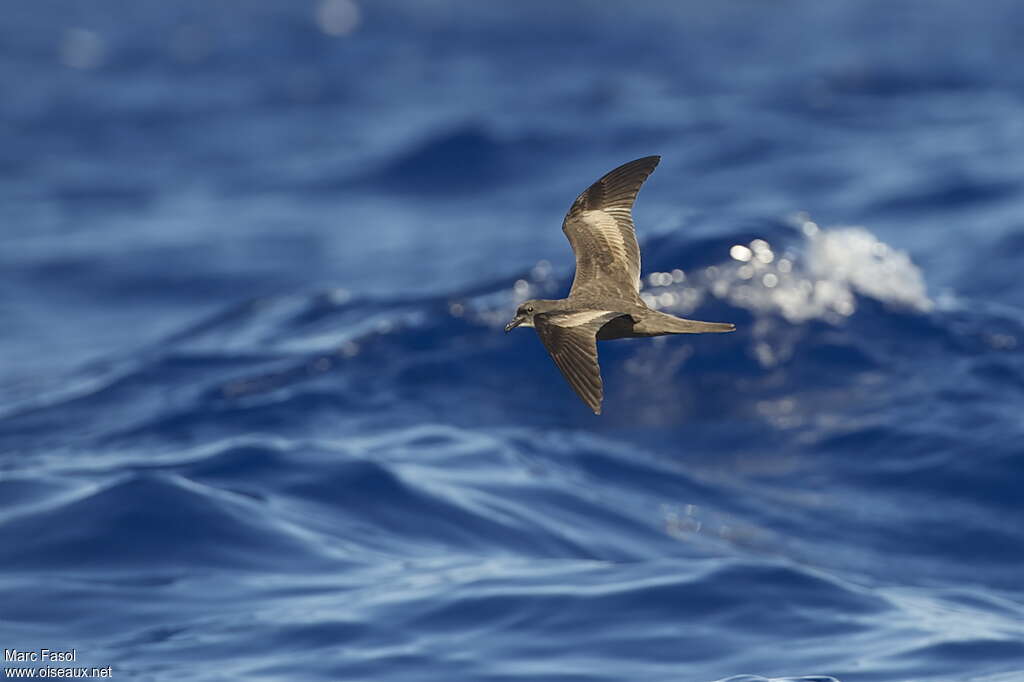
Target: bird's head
526 311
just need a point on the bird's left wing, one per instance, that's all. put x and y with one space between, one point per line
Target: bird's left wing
599 226
571 340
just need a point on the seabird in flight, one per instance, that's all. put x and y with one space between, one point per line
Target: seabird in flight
604 302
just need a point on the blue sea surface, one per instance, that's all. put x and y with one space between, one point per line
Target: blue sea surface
259 421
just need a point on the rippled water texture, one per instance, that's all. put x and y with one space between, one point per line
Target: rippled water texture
258 419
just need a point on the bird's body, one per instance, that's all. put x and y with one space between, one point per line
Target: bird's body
604 302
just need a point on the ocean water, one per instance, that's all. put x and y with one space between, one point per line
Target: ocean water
259 421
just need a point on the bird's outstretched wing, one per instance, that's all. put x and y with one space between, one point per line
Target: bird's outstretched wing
600 229
571 340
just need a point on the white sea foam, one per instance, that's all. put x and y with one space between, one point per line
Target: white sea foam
819 279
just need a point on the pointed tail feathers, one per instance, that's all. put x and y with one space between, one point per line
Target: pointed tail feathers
656 323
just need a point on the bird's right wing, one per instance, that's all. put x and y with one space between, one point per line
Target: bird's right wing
571 340
599 226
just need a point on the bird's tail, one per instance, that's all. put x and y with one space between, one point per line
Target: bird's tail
656 324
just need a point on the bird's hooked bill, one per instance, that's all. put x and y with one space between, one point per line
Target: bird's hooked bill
516 321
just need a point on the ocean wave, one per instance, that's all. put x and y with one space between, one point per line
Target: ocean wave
141 519
218 450
806 300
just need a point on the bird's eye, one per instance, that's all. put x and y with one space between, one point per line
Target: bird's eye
529 309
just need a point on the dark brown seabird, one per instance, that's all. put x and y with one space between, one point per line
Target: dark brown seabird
604 302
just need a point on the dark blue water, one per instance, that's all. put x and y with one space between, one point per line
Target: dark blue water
258 419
